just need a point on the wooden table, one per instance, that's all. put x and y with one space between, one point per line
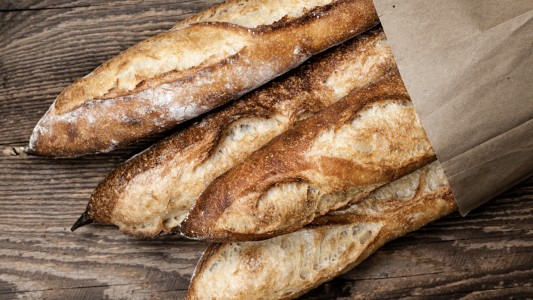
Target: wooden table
47 44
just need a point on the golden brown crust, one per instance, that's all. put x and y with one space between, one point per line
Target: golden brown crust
389 212
255 271
301 92
286 159
396 211
99 113
211 251
400 224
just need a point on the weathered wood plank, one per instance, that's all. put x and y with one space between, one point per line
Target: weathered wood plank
17 5
47 44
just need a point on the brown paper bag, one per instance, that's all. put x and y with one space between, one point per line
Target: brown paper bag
468 66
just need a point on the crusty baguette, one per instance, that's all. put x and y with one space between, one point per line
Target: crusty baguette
204 62
361 142
287 266
151 193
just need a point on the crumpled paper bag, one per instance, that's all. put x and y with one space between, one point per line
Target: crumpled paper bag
468 66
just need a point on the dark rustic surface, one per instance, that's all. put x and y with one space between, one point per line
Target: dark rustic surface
47 44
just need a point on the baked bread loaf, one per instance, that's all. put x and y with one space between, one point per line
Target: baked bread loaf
335 158
152 193
202 63
288 266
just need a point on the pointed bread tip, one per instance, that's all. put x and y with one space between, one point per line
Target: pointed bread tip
85 219
175 230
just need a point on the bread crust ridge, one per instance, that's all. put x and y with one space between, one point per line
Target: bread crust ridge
335 158
135 95
151 193
288 266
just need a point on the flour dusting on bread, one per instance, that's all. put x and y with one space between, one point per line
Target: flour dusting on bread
254 13
174 51
163 198
363 141
284 265
192 69
287 266
421 183
384 134
376 136
171 186
353 75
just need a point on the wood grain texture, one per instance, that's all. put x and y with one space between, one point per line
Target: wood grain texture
46 45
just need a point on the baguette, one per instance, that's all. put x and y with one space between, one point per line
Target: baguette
150 194
335 158
288 266
202 63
